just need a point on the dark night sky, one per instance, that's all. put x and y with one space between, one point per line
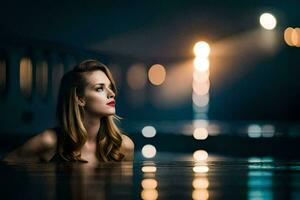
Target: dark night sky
173 25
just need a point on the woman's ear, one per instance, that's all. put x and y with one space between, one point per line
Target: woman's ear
78 98
80 101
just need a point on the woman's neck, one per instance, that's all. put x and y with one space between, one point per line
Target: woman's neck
92 126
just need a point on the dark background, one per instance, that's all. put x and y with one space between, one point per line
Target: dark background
165 31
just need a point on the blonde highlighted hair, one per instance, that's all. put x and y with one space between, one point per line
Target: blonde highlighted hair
73 134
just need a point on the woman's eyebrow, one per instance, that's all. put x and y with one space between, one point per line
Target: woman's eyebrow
101 84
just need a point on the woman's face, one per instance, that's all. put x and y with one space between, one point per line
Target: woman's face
98 95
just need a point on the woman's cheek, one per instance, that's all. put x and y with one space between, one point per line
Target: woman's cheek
100 101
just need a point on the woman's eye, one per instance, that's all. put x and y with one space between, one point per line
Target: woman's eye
99 89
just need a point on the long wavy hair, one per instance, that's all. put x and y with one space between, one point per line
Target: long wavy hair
69 114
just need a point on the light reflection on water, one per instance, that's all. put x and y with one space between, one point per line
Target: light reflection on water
260 178
167 176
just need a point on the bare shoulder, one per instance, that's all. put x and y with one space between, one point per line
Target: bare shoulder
39 147
48 138
44 140
127 148
127 143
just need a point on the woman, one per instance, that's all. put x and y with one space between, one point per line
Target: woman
86 130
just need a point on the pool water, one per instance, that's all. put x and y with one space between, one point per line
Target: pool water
167 176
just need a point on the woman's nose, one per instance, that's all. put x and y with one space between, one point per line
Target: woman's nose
110 94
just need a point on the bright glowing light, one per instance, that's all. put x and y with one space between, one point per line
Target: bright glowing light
295 37
292 36
200 101
200 169
200 77
200 155
201 64
136 76
149 151
149 194
200 133
149 183
298 34
254 131
200 194
149 131
200 183
288 36
201 49
267 21
148 169
157 74
202 88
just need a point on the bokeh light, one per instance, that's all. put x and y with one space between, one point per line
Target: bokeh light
201 89
254 131
200 100
295 37
149 183
201 64
157 74
200 133
268 130
268 21
201 86
26 77
149 131
288 36
201 77
148 169
200 155
200 194
200 183
292 36
149 151
200 169
149 194
137 76
201 49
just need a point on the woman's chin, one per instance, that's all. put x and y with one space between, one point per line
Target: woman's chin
105 114
112 112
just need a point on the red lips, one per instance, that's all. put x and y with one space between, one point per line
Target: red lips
111 103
